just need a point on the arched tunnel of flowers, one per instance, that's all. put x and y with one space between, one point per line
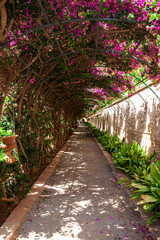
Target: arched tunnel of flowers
58 60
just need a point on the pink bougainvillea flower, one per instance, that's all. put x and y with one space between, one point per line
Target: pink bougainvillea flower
32 80
158 4
134 224
26 48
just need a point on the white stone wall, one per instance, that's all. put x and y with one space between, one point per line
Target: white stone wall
135 119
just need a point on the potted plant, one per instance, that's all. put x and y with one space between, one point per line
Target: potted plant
8 140
7 137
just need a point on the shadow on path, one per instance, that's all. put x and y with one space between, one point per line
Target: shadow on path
82 200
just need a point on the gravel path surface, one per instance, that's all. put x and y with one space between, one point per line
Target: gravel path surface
82 200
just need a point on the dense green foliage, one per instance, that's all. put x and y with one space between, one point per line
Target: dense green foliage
144 173
132 159
41 133
148 189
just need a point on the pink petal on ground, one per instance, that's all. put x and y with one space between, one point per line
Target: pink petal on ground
134 224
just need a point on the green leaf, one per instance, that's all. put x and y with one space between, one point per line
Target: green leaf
141 187
148 198
135 196
155 173
149 206
158 214
123 180
151 219
155 189
152 156
158 164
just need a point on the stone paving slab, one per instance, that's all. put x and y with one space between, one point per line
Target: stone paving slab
82 200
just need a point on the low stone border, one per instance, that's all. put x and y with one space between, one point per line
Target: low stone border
155 226
10 227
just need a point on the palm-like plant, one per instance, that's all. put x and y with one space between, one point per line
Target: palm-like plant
148 189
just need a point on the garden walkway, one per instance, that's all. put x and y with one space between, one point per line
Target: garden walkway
83 201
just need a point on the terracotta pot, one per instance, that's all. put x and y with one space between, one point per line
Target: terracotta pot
9 140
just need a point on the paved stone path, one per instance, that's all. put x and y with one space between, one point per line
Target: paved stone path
82 200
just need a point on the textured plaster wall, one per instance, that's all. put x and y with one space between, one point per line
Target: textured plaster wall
136 119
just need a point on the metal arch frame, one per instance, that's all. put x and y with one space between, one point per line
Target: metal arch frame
124 96
68 21
123 99
98 50
37 75
95 50
110 108
127 98
114 109
97 34
130 101
135 48
51 76
58 44
79 20
76 20
140 81
80 51
43 80
105 111
89 50
142 99
13 113
119 107
92 50
145 85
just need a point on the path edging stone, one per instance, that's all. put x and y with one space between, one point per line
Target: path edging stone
10 227
155 226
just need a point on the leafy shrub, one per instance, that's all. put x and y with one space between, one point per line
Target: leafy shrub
132 159
95 131
5 132
148 187
12 178
110 143
113 144
2 155
135 162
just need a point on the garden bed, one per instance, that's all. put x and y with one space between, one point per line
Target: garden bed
155 226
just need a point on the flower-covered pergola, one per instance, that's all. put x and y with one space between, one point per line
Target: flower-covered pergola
58 57
61 44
